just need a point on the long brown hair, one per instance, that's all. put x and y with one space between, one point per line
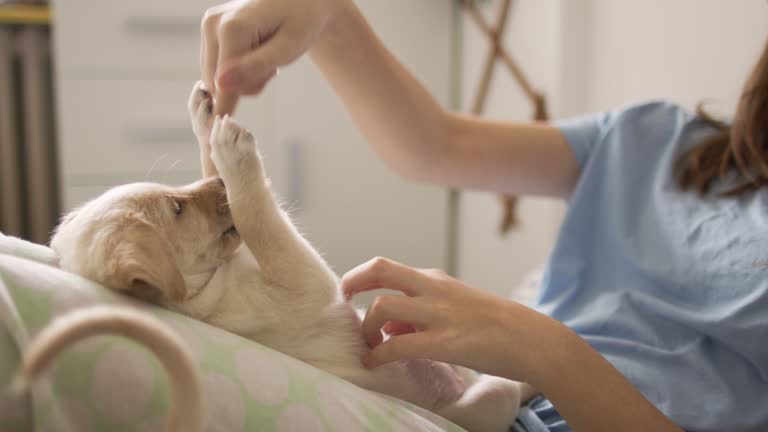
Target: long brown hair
739 149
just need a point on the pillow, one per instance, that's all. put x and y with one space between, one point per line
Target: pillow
108 383
24 249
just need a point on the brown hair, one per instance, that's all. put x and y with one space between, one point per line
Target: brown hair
739 149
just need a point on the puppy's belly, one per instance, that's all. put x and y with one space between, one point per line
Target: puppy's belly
335 344
440 381
329 338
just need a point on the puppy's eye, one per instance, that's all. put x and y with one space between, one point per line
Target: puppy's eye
178 206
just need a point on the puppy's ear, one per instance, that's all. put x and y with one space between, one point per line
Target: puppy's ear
142 264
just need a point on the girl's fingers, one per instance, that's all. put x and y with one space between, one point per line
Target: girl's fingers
209 45
257 86
203 58
384 273
409 346
259 64
235 39
398 328
225 103
390 308
210 56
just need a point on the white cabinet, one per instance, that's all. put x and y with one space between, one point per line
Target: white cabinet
101 39
124 71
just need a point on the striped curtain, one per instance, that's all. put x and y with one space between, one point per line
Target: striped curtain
29 192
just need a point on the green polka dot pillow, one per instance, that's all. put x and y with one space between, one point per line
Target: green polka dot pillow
107 383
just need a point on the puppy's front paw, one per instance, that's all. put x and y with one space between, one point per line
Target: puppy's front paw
233 149
200 108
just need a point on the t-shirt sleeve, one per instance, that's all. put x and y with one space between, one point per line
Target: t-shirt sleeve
585 132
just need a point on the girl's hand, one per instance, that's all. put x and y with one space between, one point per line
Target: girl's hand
443 319
244 42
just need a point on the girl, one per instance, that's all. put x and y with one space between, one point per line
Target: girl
654 308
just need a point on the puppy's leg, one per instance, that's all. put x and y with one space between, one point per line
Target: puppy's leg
200 106
284 256
490 404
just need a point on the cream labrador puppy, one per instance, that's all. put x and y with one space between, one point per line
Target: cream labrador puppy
223 251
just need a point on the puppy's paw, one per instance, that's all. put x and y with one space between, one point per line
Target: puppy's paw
233 148
200 108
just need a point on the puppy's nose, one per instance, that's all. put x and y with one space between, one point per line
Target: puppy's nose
220 181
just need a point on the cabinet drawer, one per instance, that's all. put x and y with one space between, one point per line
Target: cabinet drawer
120 37
124 127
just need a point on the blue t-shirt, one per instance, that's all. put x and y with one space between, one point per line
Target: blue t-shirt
670 287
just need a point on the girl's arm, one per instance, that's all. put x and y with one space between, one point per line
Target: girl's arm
418 138
442 319
588 391
244 42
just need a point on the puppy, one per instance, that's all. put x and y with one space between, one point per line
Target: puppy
229 256
186 411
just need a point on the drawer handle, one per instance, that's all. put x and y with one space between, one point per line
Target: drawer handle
148 26
158 135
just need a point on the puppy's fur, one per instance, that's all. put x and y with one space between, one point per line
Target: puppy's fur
264 281
186 411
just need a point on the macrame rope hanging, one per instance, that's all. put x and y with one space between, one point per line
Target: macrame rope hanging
498 53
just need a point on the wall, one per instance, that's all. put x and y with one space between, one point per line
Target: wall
485 259
684 50
122 118
354 206
591 55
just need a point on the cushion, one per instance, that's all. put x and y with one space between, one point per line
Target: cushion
108 383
